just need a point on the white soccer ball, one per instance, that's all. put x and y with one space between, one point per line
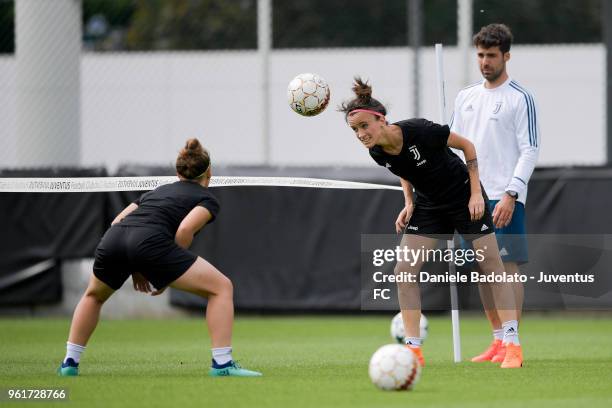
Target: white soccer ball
308 94
394 367
399 333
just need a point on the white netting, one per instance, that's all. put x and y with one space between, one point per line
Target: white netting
95 184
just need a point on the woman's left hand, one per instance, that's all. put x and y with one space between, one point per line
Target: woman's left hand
141 284
159 291
476 206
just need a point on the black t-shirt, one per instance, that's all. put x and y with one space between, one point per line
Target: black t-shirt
438 175
165 207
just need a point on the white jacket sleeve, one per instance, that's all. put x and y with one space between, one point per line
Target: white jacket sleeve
456 122
528 139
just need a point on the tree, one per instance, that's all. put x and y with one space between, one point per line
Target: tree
7 27
544 21
193 25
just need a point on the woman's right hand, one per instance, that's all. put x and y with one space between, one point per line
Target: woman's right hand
404 217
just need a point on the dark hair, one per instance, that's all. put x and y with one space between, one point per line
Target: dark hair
363 99
193 160
494 35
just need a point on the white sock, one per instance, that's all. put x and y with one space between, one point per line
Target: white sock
510 329
222 355
498 334
413 341
73 351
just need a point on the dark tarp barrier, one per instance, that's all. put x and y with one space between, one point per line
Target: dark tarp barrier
291 248
39 229
285 248
570 201
36 284
294 248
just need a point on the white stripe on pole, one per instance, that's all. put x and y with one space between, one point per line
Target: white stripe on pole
450 243
48 83
464 35
441 85
264 45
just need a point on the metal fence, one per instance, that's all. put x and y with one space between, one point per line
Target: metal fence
104 83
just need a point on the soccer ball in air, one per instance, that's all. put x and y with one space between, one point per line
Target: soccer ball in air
308 94
397 328
394 367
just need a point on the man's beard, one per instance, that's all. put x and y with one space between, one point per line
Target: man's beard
493 76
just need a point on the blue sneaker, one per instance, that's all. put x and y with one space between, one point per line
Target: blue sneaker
69 368
231 369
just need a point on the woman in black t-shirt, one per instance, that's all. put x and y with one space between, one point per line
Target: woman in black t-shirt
448 192
148 240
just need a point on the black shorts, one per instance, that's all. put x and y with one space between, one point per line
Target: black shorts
442 221
124 250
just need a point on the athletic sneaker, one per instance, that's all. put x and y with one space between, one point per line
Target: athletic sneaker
489 353
69 368
514 356
419 354
231 369
501 354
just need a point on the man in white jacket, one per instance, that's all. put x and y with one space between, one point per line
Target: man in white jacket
500 117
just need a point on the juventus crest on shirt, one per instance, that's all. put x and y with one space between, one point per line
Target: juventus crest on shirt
437 174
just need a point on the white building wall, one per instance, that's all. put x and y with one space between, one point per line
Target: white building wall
8 113
48 51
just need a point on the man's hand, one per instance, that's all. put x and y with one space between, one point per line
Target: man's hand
502 213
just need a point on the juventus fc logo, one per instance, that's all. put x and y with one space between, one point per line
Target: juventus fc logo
497 107
415 152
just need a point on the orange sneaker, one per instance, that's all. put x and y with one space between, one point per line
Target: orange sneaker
501 354
514 356
418 353
489 353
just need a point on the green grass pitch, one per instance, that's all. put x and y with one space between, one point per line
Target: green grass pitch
308 362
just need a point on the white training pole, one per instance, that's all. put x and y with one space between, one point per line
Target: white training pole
264 45
465 11
48 102
441 85
450 243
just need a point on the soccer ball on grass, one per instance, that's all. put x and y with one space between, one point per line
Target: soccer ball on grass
394 367
397 328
